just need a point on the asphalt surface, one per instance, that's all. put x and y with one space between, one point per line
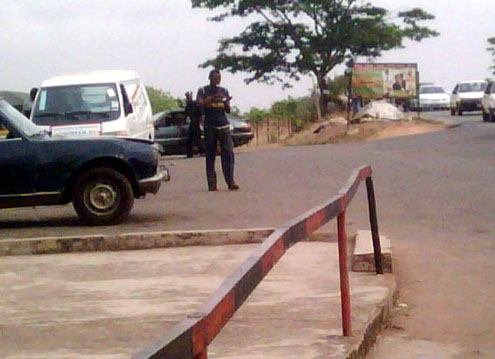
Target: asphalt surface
435 199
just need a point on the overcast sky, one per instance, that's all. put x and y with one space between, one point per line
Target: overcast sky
165 40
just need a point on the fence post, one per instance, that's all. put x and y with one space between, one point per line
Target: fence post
345 296
268 131
375 234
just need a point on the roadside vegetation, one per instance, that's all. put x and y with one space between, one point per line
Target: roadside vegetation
161 100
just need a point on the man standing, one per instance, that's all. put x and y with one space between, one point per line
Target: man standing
193 111
215 101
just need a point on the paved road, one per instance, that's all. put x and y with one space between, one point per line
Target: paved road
435 200
444 264
446 117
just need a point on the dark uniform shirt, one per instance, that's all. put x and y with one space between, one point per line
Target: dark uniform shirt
214 112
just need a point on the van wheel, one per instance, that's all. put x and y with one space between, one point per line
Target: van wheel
452 111
103 196
459 111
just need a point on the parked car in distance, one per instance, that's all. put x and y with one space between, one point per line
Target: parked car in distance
433 97
171 129
488 103
466 96
101 176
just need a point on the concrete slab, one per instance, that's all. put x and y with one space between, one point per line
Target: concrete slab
363 258
112 304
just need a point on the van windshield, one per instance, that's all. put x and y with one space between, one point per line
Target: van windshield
77 104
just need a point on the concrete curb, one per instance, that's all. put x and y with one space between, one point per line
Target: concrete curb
363 258
131 241
363 261
377 322
145 240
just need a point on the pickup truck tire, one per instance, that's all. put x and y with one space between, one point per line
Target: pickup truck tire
452 111
103 196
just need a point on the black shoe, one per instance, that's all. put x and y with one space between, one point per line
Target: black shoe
233 186
212 187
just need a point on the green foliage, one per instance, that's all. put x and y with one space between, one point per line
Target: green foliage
491 49
160 100
256 115
299 111
339 85
287 38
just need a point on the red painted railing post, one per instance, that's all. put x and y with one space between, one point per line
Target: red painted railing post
345 295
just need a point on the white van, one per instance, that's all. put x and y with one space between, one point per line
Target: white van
111 103
467 96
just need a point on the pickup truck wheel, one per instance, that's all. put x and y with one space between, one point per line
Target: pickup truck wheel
103 196
452 111
459 111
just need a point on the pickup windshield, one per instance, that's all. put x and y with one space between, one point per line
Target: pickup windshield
77 104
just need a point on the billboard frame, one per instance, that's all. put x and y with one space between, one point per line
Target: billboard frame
385 80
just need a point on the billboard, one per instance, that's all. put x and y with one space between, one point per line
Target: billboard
391 80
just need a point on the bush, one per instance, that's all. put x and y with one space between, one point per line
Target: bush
161 100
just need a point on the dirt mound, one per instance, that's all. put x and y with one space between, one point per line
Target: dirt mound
336 131
329 132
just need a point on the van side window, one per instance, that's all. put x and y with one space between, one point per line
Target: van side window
127 104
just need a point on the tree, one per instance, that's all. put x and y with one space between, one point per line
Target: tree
160 100
301 37
491 49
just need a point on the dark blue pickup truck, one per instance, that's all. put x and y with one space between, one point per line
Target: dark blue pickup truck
101 176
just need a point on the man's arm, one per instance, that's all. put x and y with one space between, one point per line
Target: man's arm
226 101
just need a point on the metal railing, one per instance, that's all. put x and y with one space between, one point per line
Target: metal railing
190 338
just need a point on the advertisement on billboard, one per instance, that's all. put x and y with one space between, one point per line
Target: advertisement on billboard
385 80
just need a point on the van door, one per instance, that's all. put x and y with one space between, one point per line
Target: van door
138 113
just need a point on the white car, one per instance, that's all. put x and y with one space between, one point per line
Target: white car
467 96
488 103
433 97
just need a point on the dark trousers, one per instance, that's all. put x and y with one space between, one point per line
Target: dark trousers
194 138
213 136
